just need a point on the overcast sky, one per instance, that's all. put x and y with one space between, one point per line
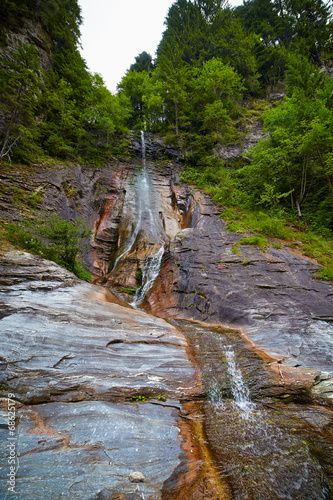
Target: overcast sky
115 31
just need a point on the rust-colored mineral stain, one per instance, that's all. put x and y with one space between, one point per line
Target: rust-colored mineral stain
199 479
103 294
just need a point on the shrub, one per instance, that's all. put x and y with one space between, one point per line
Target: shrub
55 239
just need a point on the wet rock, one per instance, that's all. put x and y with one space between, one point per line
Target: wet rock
155 148
271 296
58 459
74 356
135 227
294 380
266 447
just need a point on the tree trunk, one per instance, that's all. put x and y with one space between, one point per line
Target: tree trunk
323 165
6 138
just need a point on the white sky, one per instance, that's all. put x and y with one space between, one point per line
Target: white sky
115 31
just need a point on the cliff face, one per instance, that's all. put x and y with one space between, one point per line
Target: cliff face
91 374
272 296
29 32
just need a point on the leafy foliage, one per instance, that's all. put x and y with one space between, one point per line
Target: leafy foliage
294 165
199 93
53 238
61 111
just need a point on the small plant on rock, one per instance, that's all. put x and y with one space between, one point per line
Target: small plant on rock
139 397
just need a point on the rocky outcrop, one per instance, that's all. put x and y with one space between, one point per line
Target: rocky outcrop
29 33
272 296
90 450
92 362
82 346
96 387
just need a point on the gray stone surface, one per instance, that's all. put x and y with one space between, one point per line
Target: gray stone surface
77 450
66 343
72 358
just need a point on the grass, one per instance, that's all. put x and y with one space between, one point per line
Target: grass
129 291
264 225
258 241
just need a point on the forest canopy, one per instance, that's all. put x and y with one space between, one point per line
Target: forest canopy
216 72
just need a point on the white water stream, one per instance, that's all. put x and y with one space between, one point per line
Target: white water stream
239 389
263 447
146 222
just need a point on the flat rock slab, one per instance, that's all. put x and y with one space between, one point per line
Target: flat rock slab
74 357
62 341
91 450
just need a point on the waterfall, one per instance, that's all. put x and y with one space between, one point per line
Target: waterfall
150 272
143 148
146 226
239 389
152 264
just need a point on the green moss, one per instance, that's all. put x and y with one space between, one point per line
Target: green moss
139 397
129 291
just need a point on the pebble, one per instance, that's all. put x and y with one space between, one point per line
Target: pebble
137 477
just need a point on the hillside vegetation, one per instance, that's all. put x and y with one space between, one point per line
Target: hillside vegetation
218 73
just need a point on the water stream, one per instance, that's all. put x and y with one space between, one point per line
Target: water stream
146 226
264 449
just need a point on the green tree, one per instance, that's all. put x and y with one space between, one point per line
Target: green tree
218 90
133 86
143 62
297 157
104 119
63 238
20 81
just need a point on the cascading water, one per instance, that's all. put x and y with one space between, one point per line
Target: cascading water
239 389
143 148
262 449
152 264
145 226
150 272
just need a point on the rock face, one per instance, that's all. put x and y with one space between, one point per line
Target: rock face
90 449
271 296
73 358
30 33
77 359
87 348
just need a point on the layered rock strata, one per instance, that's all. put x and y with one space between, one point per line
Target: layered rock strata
96 387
